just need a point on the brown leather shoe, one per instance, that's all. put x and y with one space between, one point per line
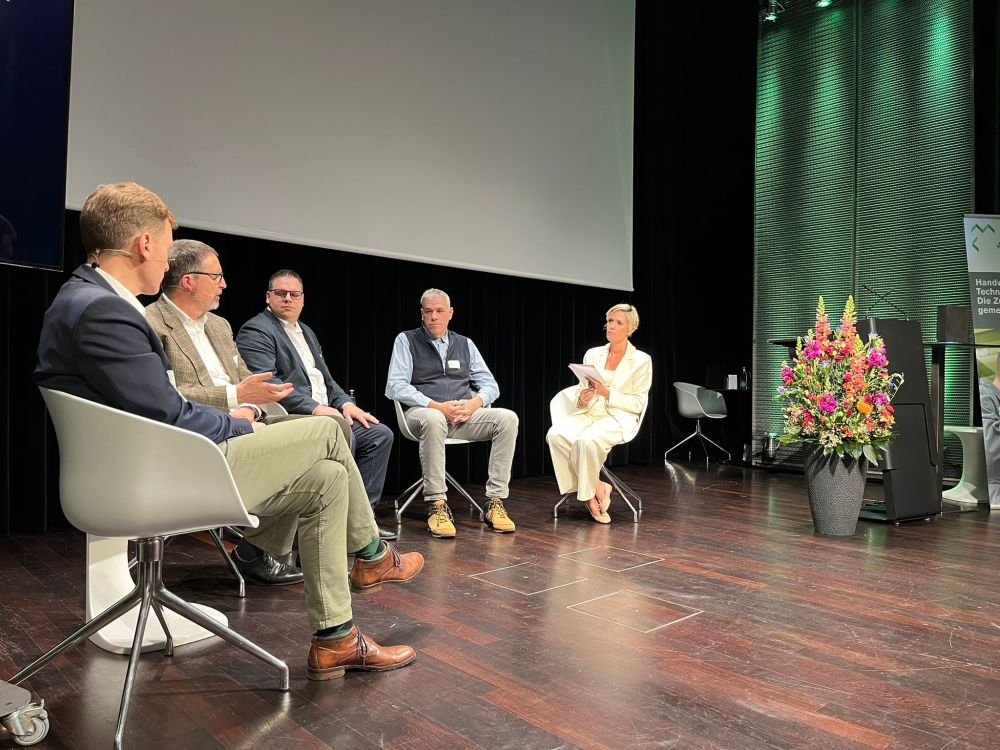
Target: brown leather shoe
331 658
367 575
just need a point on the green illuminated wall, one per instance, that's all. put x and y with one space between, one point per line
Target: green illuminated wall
864 168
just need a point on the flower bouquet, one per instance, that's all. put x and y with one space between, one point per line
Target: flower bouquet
837 390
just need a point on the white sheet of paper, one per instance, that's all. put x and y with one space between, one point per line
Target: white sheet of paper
586 371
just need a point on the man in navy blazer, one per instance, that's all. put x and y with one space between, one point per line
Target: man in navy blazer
275 340
297 476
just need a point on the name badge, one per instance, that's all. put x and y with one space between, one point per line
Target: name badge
453 364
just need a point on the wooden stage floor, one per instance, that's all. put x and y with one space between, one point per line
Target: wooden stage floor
719 621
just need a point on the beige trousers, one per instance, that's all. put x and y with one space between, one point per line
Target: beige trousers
579 444
298 475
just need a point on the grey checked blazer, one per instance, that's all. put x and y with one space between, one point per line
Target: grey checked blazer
190 373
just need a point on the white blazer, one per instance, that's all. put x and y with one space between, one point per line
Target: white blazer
627 400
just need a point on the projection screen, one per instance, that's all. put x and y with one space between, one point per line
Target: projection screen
484 134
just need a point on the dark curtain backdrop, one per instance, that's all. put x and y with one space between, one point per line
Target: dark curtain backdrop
693 159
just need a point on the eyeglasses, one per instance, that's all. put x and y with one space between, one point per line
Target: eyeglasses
282 293
216 277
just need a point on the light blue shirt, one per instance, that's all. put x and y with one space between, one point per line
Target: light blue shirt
398 386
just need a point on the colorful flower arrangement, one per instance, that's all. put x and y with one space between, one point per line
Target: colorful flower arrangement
838 388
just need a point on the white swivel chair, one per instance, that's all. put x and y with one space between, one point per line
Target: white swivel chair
414 489
115 484
973 486
563 404
697 403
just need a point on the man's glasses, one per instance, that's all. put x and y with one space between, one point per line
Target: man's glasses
282 293
216 277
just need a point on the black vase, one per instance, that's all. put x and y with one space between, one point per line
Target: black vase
836 491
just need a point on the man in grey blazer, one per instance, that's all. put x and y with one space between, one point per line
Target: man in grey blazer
275 340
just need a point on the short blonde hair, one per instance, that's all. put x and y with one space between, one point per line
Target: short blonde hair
631 315
113 214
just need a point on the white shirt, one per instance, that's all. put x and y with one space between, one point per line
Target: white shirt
316 380
196 330
122 291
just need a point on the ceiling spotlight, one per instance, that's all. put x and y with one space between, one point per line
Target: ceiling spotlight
773 9
823 3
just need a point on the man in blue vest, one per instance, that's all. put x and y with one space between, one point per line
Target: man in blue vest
440 377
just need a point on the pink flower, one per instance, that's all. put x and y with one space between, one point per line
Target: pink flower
787 374
812 349
880 399
876 357
827 402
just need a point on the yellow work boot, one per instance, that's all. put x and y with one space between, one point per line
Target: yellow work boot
440 521
496 516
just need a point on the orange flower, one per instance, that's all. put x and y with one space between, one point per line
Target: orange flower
864 407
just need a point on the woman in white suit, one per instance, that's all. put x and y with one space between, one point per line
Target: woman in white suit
604 415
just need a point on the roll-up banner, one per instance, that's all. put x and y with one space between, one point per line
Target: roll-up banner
982 248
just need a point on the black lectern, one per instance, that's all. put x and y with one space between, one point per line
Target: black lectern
909 469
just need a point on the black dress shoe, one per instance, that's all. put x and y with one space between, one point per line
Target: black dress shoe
265 570
386 533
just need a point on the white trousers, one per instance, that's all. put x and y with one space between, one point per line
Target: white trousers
579 444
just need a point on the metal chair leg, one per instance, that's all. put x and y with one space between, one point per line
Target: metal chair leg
692 435
234 530
168 645
241 584
706 437
109 615
413 489
461 490
563 499
146 581
702 437
616 483
620 481
173 602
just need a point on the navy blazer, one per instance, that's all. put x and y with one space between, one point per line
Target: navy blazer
265 347
96 345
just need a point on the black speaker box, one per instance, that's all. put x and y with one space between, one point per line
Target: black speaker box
953 323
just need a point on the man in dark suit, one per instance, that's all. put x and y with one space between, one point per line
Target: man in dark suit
96 344
275 340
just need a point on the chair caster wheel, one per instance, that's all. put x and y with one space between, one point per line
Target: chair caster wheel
39 728
29 722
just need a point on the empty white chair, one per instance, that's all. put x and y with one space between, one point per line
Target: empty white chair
973 486
697 403
564 404
414 489
117 482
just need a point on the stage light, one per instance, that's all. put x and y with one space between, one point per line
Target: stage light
773 9
823 3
